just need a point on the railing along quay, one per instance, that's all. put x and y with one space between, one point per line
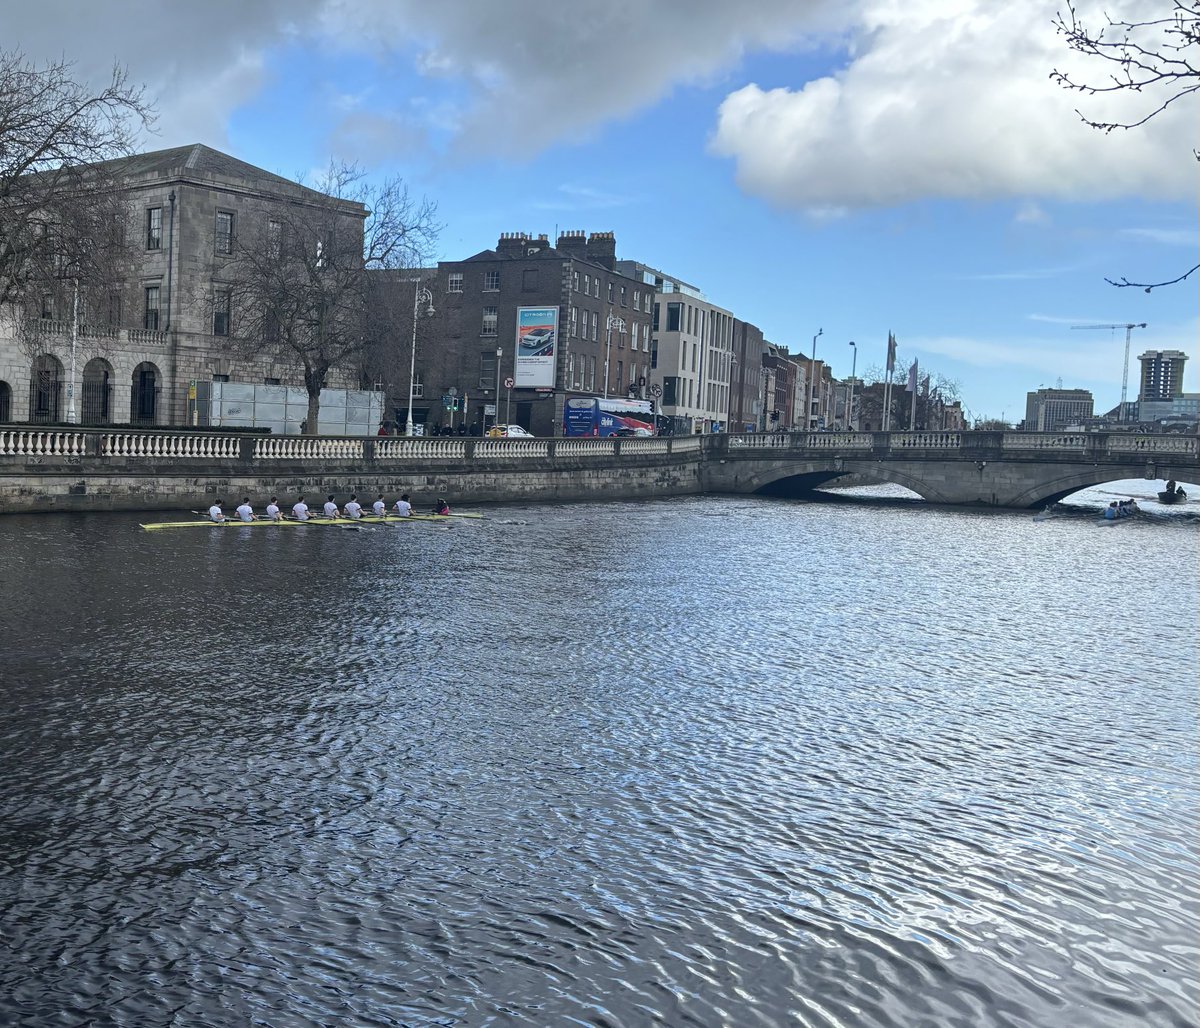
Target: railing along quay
158 444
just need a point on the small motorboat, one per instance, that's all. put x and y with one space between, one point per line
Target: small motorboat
1172 494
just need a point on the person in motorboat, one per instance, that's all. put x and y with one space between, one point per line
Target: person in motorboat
215 513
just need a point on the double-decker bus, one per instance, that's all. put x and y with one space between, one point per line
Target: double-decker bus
598 416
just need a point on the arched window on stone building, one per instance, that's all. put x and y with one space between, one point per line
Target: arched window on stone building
45 390
143 406
5 403
97 392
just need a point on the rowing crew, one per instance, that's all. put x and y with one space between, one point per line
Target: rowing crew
1121 509
300 510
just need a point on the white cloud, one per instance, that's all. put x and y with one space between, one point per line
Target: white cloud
947 98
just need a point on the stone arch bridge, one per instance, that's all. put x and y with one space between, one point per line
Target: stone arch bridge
119 468
994 469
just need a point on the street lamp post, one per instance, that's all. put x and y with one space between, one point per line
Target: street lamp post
619 325
420 293
809 422
72 417
499 358
850 401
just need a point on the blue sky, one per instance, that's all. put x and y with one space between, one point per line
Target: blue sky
855 167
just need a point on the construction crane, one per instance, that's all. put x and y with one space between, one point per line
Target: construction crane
1129 327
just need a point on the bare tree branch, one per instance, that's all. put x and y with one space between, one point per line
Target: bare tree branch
1124 283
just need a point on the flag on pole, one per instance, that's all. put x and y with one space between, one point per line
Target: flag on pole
891 357
912 379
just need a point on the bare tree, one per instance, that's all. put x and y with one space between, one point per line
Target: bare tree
299 287
1154 57
61 212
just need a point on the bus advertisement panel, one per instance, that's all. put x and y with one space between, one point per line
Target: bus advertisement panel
537 343
597 416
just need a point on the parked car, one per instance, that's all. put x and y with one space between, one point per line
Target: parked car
512 432
638 433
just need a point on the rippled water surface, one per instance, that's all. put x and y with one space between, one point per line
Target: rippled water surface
704 762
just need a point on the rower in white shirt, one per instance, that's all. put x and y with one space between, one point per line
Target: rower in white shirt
245 512
331 508
300 510
216 513
353 508
403 507
273 511
379 507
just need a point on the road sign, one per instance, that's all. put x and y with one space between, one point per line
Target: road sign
508 382
656 390
489 410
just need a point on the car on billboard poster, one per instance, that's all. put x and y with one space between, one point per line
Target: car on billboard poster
537 344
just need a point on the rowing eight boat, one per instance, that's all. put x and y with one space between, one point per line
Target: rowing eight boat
367 520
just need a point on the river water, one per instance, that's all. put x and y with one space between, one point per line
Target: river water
712 761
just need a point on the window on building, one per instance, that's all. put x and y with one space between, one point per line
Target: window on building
490 317
114 310
674 316
587 284
623 303
454 282
151 317
654 353
487 369
154 228
224 237
610 292
529 280
596 287
418 386
620 375
47 306
575 280
491 281
574 321
595 326
274 240
654 318
220 378
272 381
591 378
633 331
222 304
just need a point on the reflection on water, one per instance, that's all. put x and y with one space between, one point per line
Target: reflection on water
709 761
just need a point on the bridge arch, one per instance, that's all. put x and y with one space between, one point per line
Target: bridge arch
809 475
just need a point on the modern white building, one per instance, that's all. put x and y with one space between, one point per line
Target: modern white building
691 352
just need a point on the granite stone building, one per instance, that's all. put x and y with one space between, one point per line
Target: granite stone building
139 352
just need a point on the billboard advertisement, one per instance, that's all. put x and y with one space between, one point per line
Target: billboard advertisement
537 345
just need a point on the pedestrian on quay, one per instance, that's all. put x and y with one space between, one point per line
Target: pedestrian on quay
331 507
244 511
403 507
353 507
379 507
215 512
273 511
300 510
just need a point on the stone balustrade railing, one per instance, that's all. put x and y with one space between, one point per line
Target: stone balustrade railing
1152 444
45 442
181 446
34 442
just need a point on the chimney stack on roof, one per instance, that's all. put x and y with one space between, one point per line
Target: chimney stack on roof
602 250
